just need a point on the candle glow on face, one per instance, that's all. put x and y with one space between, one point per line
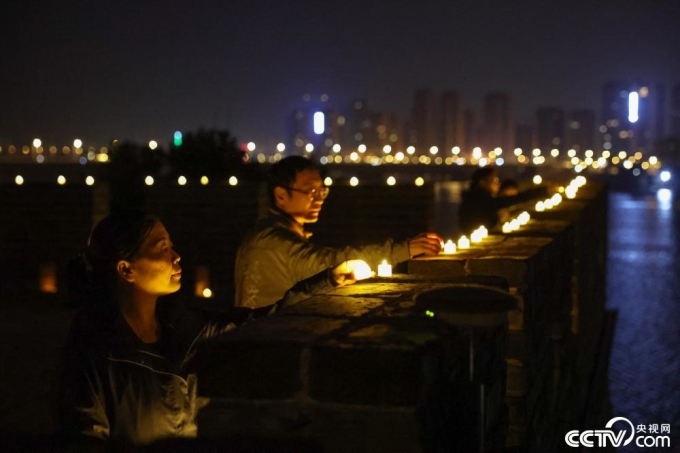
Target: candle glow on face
384 269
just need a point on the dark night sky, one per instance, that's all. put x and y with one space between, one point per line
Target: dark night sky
140 69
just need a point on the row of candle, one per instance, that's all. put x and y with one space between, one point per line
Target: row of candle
449 247
549 203
362 270
516 223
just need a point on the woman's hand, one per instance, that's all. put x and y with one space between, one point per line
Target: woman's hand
348 272
428 244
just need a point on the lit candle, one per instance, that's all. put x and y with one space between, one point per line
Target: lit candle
506 227
514 224
449 247
570 192
540 207
556 199
384 269
360 269
548 204
463 243
485 232
476 236
524 218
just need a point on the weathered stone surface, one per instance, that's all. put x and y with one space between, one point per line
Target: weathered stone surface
264 359
377 362
335 306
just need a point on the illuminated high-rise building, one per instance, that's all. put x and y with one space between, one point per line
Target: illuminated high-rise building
581 131
550 121
499 126
633 116
423 121
452 124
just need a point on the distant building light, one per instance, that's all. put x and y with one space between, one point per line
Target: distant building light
518 151
387 149
153 144
319 123
204 180
82 160
280 147
411 150
665 176
148 181
555 152
19 180
419 181
500 161
354 181
455 150
77 143
336 148
644 92
434 150
89 180
233 181
328 181
537 179
250 146
181 180
391 181
633 103
61 180
309 147
37 143
40 159
178 138
362 148
477 152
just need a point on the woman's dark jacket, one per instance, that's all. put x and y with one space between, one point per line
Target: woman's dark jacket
479 207
115 387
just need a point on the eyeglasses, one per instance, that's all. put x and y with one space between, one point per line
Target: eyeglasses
314 194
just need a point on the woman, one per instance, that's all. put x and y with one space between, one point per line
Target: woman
125 375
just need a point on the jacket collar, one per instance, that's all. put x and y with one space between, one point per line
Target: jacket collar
285 220
178 335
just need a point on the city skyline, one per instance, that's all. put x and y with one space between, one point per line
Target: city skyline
140 72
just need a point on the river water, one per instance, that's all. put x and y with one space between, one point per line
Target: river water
643 286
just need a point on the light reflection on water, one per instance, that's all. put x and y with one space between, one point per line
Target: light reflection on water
643 284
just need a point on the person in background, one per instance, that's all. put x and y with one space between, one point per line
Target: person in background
124 378
508 188
277 253
481 204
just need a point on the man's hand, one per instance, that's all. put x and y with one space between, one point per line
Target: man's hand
348 272
425 244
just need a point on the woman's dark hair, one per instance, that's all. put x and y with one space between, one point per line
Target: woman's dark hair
92 275
480 174
284 172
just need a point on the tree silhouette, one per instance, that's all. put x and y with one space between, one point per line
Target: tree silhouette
209 153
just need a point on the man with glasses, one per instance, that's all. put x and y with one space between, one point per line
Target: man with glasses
277 254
